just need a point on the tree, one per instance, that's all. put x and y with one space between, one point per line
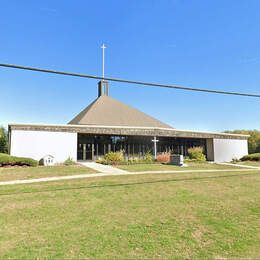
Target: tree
253 140
3 140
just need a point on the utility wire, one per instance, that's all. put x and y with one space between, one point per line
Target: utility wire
143 83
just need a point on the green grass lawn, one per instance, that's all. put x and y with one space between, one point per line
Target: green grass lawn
180 215
250 163
19 173
168 167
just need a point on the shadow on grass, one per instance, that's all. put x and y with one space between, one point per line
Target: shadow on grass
130 184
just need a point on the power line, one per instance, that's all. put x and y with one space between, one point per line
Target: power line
143 83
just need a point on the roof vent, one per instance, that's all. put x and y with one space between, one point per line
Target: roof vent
102 88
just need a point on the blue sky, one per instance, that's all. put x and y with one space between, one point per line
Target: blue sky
204 44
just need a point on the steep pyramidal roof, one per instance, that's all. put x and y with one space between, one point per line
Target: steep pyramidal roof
107 111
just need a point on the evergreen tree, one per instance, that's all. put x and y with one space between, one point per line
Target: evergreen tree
3 140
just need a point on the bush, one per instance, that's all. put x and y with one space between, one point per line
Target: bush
148 157
163 157
235 160
117 158
114 157
101 160
251 157
134 160
3 140
7 160
196 153
69 161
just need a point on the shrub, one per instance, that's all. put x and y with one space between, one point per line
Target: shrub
134 160
117 158
101 160
7 160
163 157
114 157
3 140
251 157
235 160
26 161
148 157
196 153
69 161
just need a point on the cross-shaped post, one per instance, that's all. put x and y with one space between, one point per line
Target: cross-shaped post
155 141
103 47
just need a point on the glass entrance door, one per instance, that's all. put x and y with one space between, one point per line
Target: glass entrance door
85 151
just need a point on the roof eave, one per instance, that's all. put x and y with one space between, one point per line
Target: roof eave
124 129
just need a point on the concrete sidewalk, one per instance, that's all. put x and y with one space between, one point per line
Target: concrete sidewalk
93 175
101 167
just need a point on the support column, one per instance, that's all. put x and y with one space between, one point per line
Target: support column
84 152
92 151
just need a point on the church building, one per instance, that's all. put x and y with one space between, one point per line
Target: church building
109 125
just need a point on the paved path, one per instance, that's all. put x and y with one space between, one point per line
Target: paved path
101 167
91 175
240 165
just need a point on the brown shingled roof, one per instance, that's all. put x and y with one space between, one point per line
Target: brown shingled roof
107 111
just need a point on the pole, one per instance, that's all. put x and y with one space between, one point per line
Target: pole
154 140
103 60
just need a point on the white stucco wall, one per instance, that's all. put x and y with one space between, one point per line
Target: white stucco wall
37 144
227 149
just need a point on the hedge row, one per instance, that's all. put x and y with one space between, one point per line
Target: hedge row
118 158
8 160
251 157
